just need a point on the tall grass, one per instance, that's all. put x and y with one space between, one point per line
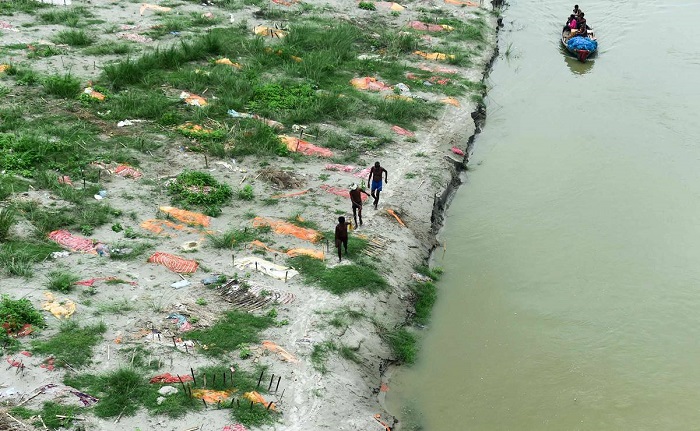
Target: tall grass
8 217
61 281
65 86
72 345
74 38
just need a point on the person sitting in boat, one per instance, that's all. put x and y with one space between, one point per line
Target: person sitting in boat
577 11
572 23
582 27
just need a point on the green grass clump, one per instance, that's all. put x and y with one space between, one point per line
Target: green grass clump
246 193
77 38
61 281
23 76
367 5
72 345
8 217
17 257
339 279
319 356
199 189
232 330
425 295
62 86
256 138
124 391
48 413
236 238
404 345
14 314
24 6
68 16
434 273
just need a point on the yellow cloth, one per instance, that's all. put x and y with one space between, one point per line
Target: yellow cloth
60 309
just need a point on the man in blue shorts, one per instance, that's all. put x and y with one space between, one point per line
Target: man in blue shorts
375 180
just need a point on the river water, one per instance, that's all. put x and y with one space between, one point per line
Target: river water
571 298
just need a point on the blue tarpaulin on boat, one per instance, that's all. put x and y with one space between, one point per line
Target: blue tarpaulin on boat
580 42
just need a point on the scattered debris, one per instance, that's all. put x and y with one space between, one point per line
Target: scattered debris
297 145
94 93
421 278
451 101
228 62
134 37
257 398
393 213
316 254
193 99
402 131
457 151
252 298
282 179
154 7
434 55
369 83
417 25
169 378
127 172
262 30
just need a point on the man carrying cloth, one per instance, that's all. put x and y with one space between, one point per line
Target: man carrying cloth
356 199
375 178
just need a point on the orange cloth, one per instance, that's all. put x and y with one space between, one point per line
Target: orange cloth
211 396
154 7
290 195
429 27
193 99
257 398
127 172
462 3
402 131
390 211
368 83
434 55
285 228
185 216
94 94
297 145
285 355
450 101
228 62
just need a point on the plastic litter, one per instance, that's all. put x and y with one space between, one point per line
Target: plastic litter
59 254
102 250
403 88
236 427
180 284
168 390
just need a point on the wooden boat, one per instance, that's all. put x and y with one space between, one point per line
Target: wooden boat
581 54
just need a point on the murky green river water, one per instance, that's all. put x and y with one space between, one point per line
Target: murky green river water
571 299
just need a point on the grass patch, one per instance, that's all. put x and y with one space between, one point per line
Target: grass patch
320 353
425 295
77 38
124 391
403 344
114 307
109 48
8 217
65 86
235 328
48 413
433 273
339 279
61 281
14 314
235 238
199 189
72 345
17 257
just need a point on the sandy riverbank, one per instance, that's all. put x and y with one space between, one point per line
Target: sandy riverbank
423 172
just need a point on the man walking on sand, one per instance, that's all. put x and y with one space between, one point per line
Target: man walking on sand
341 236
356 199
375 179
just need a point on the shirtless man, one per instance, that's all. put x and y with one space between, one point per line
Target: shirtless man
341 236
375 179
356 199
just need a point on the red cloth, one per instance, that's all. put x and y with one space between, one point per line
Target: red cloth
402 131
169 378
174 263
127 172
72 242
425 27
457 151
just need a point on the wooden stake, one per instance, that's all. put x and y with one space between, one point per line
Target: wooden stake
260 379
272 379
194 379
